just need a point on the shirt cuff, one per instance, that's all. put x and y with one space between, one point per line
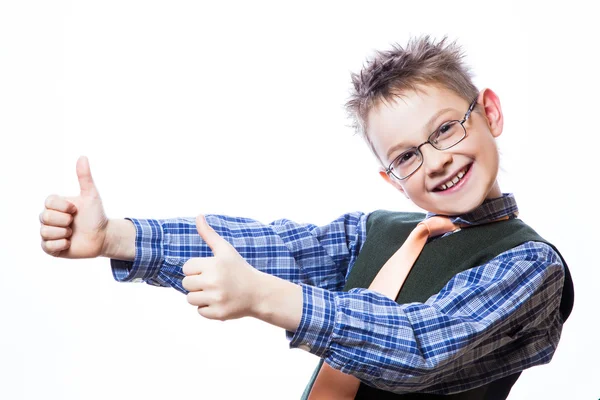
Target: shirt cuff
149 254
317 322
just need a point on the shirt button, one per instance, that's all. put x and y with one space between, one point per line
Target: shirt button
305 347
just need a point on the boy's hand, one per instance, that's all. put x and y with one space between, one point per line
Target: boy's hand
75 227
224 286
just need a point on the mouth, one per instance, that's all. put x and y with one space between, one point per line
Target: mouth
456 182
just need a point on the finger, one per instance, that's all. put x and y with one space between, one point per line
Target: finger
84 174
193 283
54 232
55 246
55 218
215 313
198 299
208 234
58 203
195 266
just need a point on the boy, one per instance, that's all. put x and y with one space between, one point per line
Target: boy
479 305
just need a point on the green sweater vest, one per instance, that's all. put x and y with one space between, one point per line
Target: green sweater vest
440 260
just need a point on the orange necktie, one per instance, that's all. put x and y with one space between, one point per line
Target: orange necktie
332 384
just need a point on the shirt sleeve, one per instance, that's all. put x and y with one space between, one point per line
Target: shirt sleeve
301 253
486 323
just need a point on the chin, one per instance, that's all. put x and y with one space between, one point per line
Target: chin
470 205
466 208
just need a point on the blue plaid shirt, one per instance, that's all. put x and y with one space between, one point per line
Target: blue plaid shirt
487 322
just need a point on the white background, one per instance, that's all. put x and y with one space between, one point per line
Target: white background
187 107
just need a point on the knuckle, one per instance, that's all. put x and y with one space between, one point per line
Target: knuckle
50 246
46 216
185 283
218 278
190 298
50 200
47 232
213 282
220 297
219 315
189 267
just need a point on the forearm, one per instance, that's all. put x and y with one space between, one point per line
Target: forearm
291 251
278 302
119 243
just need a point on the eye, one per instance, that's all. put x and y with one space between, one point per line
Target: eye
446 132
406 157
446 128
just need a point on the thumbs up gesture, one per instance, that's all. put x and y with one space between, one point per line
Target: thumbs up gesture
75 227
224 286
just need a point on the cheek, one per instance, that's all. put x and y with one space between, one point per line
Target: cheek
483 148
489 151
401 187
487 159
413 188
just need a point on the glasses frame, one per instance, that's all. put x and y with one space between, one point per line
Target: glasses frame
389 170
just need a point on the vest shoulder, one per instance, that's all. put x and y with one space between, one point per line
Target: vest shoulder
391 218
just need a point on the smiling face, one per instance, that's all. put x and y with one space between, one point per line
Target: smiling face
408 120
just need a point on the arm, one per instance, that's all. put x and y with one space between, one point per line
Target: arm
120 240
300 253
488 322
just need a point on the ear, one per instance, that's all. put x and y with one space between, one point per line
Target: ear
490 103
392 182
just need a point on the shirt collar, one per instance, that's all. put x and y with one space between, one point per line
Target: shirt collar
489 210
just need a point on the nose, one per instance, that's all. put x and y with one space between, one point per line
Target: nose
435 161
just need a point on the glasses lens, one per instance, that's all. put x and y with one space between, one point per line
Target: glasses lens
407 163
447 135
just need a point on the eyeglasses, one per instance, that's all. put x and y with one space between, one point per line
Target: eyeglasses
447 135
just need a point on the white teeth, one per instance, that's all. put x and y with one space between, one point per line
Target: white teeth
453 181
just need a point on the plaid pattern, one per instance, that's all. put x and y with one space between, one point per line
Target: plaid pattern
487 322
490 210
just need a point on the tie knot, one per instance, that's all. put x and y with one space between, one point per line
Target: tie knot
438 225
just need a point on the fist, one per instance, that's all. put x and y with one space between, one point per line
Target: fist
223 286
75 227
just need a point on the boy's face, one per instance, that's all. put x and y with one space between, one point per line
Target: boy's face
408 121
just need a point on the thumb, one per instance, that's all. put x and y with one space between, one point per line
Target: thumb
208 234
86 183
